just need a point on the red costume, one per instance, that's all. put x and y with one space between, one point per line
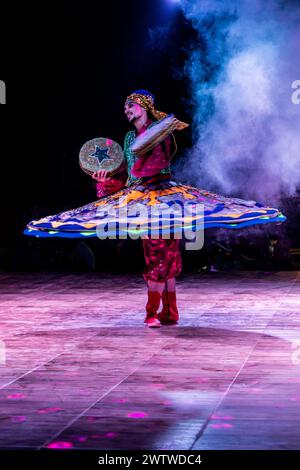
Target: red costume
162 256
146 177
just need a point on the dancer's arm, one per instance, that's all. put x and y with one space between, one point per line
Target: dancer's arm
109 184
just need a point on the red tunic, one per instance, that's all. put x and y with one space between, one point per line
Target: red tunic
152 162
162 257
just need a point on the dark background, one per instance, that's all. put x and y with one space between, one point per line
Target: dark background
68 67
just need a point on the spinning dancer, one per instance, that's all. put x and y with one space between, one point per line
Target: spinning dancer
162 256
145 179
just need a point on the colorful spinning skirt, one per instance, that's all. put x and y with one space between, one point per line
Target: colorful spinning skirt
163 208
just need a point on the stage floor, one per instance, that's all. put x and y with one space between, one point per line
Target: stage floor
78 369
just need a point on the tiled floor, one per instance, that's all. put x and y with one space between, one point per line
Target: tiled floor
78 369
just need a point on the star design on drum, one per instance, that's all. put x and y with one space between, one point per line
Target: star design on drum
100 153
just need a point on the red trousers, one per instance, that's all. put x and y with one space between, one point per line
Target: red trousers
163 259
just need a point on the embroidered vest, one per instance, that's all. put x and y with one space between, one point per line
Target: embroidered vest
130 158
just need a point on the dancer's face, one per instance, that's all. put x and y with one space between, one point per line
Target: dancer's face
133 111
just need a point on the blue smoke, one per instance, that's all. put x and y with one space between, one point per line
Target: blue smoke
246 129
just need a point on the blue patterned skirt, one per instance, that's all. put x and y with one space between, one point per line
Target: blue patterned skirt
160 208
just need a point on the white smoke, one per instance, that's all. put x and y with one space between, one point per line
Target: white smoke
246 126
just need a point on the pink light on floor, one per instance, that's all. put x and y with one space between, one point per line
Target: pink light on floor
137 414
49 410
16 396
60 445
221 426
18 419
216 426
157 385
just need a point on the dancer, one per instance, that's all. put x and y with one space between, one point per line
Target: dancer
162 256
145 179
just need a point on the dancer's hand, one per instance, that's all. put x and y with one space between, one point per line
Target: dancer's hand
100 175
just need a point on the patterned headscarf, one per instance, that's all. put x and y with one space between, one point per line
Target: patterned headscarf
146 100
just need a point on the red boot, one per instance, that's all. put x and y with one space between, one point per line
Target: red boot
169 314
152 306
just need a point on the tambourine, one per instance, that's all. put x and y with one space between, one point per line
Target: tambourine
101 154
156 134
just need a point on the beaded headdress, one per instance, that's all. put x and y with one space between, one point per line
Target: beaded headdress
146 100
